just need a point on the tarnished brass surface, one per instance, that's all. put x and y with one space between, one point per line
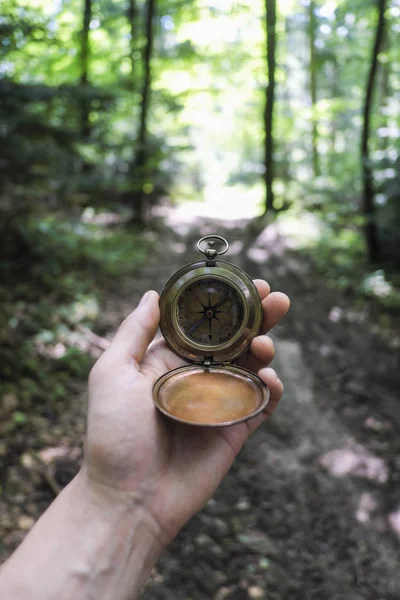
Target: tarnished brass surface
212 240
248 304
215 396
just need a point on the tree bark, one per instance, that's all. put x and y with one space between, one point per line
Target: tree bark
368 204
141 157
132 15
385 91
270 8
84 76
335 92
313 89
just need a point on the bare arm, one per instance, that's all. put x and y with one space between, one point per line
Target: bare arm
91 543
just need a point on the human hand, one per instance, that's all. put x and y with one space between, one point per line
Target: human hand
169 469
143 475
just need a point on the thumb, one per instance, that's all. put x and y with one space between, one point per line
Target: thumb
139 328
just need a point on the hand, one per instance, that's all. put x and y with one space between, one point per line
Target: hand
143 476
170 469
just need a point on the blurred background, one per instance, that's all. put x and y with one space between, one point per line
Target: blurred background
129 129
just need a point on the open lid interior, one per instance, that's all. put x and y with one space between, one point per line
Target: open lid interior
210 396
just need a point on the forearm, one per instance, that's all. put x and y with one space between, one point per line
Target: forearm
87 546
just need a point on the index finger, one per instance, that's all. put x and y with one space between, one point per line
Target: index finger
275 306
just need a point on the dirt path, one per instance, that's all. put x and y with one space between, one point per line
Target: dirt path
311 508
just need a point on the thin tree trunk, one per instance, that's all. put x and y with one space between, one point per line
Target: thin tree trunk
368 204
132 15
141 158
84 76
335 93
385 91
313 89
270 7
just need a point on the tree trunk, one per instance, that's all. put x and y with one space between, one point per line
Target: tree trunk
141 158
270 7
132 20
335 91
368 204
84 77
385 91
313 89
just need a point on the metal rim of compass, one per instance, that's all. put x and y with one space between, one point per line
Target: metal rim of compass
252 312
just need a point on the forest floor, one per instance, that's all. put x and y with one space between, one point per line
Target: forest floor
311 507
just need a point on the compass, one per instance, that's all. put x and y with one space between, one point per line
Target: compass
210 311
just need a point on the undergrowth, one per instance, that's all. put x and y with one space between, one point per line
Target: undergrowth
54 272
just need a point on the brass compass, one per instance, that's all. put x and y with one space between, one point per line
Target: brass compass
210 313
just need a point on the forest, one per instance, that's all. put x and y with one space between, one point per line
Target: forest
129 129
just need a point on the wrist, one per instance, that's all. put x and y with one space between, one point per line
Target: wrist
93 541
123 539
111 503
142 502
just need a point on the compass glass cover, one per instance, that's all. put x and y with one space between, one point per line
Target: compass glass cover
210 311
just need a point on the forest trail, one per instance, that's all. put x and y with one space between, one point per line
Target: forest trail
309 508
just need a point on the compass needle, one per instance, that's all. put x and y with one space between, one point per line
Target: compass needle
221 311
220 303
196 325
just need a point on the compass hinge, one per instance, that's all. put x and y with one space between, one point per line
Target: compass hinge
207 361
211 254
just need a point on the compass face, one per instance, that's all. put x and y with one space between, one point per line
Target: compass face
210 312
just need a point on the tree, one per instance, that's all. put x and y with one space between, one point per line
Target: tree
313 88
141 158
270 7
384 85
132 20
368 204
84 75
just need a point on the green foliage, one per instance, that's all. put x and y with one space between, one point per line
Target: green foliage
76 363
50 295
339 254
19 418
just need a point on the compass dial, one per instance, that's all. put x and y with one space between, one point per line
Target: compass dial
210 312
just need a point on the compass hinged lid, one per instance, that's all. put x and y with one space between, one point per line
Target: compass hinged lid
213 396
210 309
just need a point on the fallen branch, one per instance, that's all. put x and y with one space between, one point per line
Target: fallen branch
44 471
93 338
